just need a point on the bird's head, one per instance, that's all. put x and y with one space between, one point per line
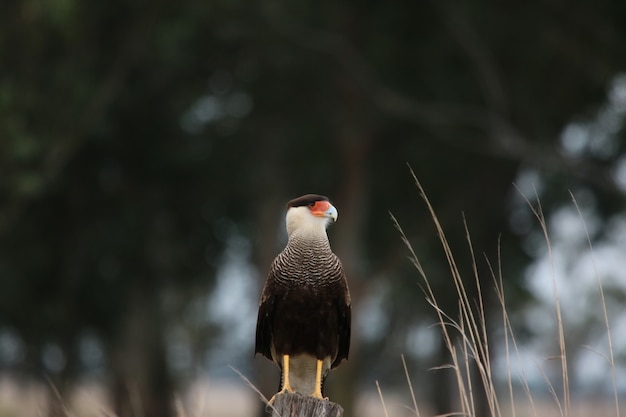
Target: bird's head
310 214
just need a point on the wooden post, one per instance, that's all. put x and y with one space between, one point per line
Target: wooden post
298 405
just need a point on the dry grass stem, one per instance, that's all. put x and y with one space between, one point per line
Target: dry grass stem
59 398
467 337
382 400
180 408
538 213
611 357
408 380
255 389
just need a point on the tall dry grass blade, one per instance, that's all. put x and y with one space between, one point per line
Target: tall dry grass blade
499 289
473 330
382 400
180 408
597 352
101 409
416 409
58 397
611 357
255 389
106 412
464 400
510 335
551 388
479 331
432 300
498 282
413 258
445 322
538 213
459 414
466 347
200 406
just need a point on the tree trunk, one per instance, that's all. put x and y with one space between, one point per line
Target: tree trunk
142 385
269 240
348 243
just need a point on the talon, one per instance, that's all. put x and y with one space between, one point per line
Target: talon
319 396
286 390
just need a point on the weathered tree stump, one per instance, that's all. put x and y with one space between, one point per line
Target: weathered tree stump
298 405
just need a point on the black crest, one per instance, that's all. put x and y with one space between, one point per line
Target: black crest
306 199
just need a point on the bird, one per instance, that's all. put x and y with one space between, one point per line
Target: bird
304 316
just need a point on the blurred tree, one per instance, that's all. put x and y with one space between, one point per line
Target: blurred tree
134 133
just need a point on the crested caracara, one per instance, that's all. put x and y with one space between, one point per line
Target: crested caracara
304 315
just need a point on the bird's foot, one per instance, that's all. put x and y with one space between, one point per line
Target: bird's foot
286 390
318 394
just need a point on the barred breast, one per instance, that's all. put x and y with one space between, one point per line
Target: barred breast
308 262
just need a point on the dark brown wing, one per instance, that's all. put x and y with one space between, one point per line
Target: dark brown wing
264 321
344 310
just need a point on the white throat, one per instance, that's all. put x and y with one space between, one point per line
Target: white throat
301 222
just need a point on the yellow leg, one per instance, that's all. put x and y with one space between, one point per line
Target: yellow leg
318 380
286 386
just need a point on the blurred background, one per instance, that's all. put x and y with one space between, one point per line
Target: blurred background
147 149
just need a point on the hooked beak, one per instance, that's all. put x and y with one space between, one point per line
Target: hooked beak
325 209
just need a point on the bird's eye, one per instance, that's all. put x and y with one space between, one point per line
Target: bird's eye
311 204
